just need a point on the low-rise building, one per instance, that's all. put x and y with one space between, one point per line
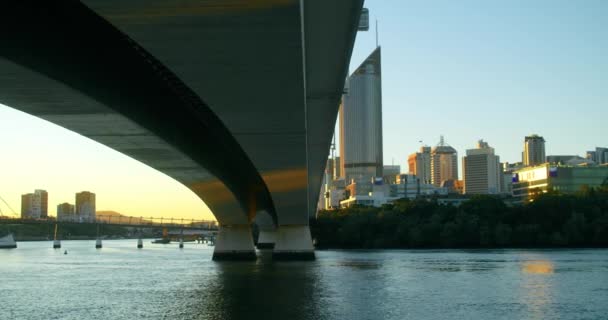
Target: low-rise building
530 181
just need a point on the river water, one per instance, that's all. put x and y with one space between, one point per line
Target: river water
164 282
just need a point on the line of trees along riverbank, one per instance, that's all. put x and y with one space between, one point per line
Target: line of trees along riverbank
551 220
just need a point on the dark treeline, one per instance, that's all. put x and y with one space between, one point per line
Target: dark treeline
551 220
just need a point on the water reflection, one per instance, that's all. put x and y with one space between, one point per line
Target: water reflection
256 290
537 288
537 267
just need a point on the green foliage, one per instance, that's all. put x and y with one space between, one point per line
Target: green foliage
551 220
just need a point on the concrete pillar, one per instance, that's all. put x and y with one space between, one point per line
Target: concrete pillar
98 243
56 244
293 242
140 243
234 242
267 239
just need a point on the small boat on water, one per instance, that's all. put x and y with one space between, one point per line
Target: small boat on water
8 242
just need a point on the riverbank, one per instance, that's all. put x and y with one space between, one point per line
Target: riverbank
551 221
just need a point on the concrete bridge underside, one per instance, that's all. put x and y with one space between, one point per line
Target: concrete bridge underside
236 99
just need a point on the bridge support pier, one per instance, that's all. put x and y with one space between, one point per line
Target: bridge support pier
140 243
234 242
293 242
98 243
267 239
56 244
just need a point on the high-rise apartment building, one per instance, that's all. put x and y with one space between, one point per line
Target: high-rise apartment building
361 122
35 205
85 206
534 150
444 163
419 164
481 170
65 212
26 205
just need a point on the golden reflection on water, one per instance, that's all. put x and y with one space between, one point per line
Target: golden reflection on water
537 267
537 288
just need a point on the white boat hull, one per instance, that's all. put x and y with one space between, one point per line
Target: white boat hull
8 242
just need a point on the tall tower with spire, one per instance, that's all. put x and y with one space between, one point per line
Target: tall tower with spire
361 122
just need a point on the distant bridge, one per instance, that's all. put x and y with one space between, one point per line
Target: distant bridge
122 221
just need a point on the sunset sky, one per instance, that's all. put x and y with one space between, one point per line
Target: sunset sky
464 69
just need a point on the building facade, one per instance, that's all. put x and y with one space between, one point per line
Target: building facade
85 206
361 121
390 173
411 187
481 170
599 155
26 206
531 181
65 212
35 205
444 163
534 150
419 164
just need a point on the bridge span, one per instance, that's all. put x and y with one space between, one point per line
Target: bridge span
235 99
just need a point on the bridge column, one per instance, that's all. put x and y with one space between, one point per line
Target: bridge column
293 242
234 242
267 239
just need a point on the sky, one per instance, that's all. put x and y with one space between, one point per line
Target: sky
492 70
468 70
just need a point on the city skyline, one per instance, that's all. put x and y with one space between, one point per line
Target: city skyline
494 71
488 71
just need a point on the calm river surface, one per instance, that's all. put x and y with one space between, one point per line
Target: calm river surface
164 282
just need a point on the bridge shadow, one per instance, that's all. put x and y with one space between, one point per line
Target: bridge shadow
257 290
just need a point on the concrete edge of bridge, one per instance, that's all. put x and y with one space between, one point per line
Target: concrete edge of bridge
293 243
267 239
234 243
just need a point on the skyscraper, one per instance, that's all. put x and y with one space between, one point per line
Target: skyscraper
481 170
85 206
361 122
534 150
444 163
420 164
35 205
